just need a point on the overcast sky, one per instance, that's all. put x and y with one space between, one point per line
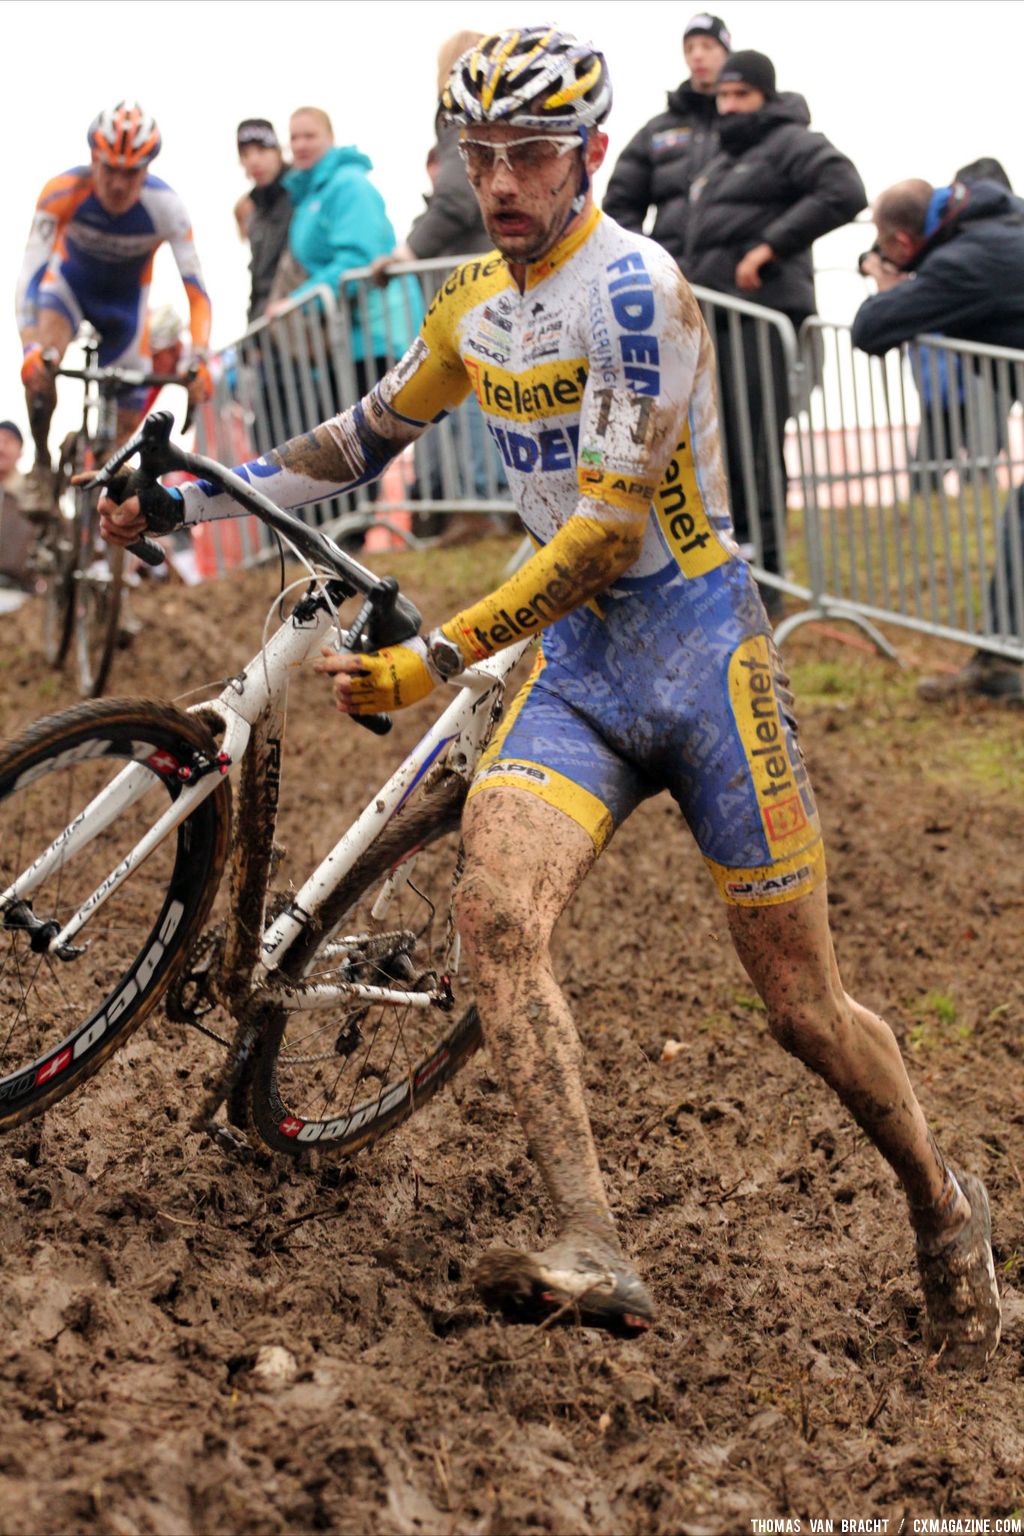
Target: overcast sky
905 88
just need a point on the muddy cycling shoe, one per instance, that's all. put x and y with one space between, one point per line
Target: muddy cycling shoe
984 677
963 1317
585 1277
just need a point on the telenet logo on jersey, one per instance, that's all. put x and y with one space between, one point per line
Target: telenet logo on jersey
549 389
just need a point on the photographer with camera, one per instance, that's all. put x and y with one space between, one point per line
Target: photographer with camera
948 260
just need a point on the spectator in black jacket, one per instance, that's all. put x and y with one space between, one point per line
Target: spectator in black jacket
658 164
948 260
264 222
988 168
755 210
450 225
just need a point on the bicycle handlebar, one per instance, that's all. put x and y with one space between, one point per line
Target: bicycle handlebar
124 379
386 617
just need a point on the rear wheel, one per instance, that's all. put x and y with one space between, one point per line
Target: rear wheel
98 585
63 1012
338 1078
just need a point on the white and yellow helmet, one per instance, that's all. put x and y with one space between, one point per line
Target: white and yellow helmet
535 77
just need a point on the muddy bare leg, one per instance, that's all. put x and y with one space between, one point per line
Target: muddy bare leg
523 863
53 334
787 953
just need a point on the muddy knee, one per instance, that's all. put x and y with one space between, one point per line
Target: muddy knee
495 922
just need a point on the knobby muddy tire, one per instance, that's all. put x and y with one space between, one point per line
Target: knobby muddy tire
97 608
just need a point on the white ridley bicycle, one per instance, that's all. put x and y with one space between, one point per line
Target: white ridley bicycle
116 825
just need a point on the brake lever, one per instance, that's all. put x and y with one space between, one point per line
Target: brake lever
151 441
382 596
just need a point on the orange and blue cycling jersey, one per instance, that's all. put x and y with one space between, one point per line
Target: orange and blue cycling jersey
656 666
88 264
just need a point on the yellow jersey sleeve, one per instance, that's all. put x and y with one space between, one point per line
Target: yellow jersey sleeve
432 379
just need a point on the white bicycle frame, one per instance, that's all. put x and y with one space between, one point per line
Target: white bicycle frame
249 714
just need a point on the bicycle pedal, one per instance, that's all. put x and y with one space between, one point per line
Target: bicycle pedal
232 1142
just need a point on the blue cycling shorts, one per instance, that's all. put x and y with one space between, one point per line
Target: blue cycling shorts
671 684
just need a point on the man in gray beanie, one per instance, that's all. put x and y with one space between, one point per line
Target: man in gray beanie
659 163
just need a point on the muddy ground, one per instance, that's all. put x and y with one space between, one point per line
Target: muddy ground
142 1271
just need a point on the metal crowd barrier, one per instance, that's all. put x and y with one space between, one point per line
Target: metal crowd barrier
285 375
866 489
904 475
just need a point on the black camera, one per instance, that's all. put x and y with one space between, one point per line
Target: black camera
890 266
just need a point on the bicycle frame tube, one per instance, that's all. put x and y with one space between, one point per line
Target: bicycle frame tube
269 671
459 731
130 785
172 817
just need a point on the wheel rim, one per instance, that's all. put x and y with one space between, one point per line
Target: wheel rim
53 1011
341 1071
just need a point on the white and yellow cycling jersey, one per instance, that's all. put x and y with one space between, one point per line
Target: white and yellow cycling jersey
596 380
597 385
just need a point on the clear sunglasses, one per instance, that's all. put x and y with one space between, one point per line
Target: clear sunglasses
480 156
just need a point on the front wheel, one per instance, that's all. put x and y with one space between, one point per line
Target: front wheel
65 833
98 583
338 1078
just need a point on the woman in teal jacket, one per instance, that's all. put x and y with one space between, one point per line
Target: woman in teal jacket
340 222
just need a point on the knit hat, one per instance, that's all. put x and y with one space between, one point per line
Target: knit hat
708 26
752 68
257 130
10 426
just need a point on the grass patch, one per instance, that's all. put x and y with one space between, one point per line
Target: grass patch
976 743
937 1023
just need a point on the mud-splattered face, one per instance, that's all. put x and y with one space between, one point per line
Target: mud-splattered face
526 201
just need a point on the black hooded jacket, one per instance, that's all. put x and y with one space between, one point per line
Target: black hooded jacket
776 183
268 240
450 225
968 279
658 165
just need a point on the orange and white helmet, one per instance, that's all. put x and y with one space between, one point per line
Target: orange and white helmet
125 136
535 77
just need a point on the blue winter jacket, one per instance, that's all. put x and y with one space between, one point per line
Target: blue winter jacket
339 223
967 277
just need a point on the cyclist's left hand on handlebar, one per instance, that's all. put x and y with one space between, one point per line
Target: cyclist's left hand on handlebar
370 685
122 524
201 387
128 511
